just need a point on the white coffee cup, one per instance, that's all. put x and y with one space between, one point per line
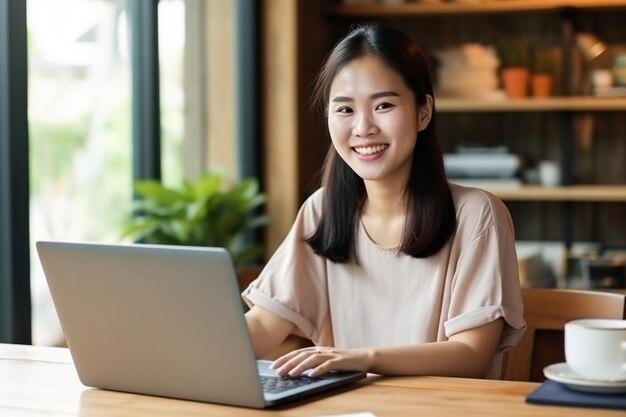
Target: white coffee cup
549 173
602 78
596 348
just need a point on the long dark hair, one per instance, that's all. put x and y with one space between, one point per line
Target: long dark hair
431 216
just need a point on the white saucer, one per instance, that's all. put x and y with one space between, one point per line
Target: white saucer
560 372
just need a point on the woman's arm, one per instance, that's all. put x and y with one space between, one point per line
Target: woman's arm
465 354
267 330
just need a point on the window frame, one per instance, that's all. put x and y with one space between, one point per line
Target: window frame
15 300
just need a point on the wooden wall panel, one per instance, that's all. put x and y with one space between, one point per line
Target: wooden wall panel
220 87
280 116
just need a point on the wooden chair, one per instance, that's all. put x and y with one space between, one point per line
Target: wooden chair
546 311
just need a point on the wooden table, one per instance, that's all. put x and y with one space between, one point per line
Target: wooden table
42 381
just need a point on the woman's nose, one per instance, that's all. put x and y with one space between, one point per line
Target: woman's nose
364 126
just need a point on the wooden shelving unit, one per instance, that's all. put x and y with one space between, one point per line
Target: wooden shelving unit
563 114
452 105
448 8
579 193
585 134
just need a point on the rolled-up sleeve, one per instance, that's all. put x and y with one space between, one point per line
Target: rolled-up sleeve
293 283
486 284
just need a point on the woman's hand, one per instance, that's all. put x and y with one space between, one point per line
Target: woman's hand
321 360
465 354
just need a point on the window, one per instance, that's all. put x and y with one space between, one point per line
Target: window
80 132
80 122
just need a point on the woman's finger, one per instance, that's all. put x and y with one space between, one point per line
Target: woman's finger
303 360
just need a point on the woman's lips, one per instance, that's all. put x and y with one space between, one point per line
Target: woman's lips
370 151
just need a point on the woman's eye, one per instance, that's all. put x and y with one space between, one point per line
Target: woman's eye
344 110
384 106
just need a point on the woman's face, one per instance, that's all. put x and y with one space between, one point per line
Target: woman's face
373 120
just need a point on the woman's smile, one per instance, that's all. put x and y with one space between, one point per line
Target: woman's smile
370 152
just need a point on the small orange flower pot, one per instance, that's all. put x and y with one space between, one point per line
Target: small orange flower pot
515 81
541 85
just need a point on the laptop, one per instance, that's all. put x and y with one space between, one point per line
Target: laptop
165 321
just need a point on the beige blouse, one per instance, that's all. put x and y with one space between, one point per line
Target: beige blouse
386 298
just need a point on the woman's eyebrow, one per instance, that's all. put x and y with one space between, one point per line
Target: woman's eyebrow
385 94
341 99
373 96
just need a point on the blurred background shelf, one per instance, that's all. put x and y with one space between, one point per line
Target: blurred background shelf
485 7
581 193
577 103
583 135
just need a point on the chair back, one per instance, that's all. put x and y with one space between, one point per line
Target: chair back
546 311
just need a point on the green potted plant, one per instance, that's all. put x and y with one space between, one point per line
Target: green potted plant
514 55
204 212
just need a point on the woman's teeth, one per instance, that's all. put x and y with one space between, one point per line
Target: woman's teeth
368 150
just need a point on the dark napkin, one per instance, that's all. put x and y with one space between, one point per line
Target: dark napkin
555 393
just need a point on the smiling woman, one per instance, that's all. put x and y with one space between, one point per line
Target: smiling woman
373 122
429 269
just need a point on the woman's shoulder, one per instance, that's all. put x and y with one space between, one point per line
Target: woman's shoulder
477 206
311 210
471 195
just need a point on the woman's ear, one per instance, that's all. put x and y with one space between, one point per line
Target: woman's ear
425 113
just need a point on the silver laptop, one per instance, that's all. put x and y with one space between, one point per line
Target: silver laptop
165 321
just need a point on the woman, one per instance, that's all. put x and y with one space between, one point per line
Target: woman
387 268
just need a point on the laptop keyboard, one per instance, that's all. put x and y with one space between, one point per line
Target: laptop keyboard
275 384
